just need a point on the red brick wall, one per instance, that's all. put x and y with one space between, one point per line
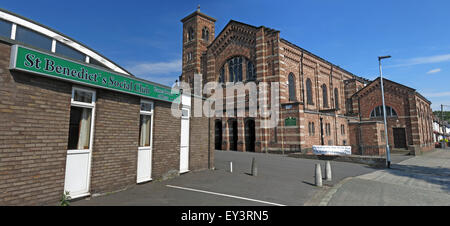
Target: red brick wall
367 138
414 113
275 60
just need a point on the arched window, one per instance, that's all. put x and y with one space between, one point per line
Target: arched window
378 112
205 34
291 83
251 72
325 95
235 69
309 97
336 98
222 75
190 34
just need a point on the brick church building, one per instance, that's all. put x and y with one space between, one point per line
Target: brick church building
320 103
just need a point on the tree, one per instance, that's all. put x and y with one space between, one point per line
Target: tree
445 115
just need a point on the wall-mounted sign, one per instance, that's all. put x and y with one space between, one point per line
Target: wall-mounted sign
290 121
332 150
33 61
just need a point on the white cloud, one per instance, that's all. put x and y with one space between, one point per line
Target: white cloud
156 68
424 60
439 94
434 71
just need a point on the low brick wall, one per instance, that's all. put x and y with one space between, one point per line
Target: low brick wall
419 150
372 161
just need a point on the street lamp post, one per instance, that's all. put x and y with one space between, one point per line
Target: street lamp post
388 154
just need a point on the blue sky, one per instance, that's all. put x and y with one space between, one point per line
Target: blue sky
145 36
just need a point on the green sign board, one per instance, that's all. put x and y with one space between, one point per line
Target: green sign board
29 60
290 121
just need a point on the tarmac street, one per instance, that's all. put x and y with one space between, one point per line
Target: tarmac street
281 180
419 181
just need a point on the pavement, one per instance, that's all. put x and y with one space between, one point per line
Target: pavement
420 181
281 180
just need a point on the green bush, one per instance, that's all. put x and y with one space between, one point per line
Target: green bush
65 199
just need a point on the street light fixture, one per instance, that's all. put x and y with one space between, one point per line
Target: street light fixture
388 154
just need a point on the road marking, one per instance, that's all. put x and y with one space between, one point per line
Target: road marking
225 195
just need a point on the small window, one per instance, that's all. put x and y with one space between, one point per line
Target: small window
235 69
70 52
291 85
82 96
325 96
145 123
96 62
79 128
81 115
5 28
251 72
205 34
33 38
222 75
336 98
311 129
190 34
309 93
327 129
146 107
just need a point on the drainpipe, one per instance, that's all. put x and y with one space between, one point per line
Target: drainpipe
209 142
335 107
359 126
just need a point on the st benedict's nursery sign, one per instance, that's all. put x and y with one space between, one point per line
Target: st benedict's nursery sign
26 59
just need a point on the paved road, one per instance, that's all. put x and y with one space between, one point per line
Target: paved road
419 181
281 180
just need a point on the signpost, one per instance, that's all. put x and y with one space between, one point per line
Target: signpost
37 62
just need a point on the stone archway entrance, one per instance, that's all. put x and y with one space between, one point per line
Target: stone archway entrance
250 135
218 135
233 134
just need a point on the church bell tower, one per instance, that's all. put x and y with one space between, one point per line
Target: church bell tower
198 33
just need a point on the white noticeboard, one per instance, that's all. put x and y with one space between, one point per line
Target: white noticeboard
332 150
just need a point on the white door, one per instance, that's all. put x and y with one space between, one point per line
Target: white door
144 162
77 173
81 130
184 141
144 165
